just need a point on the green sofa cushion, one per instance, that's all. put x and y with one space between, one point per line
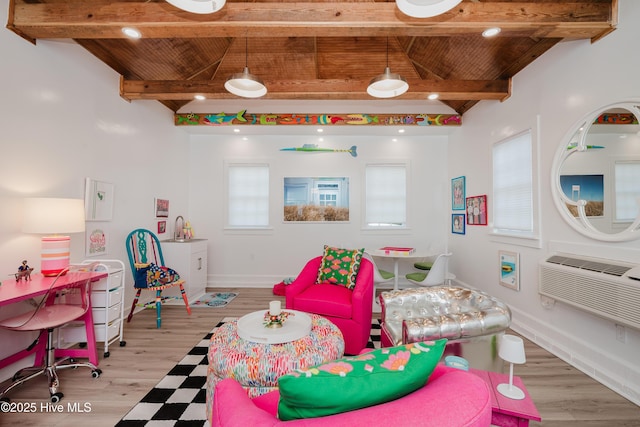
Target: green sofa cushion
357 382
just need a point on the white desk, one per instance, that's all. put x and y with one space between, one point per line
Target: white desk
397 257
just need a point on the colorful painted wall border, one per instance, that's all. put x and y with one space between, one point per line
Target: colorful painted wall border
305 119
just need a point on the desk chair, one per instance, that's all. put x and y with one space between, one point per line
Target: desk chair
57 308
379 276
145 253
437 275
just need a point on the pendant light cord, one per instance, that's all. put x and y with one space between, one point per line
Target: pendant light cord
387 51
246 52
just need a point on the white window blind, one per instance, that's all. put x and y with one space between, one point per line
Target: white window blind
386 196
248 195
627 190
513 186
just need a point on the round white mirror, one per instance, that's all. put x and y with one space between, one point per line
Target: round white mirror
595 176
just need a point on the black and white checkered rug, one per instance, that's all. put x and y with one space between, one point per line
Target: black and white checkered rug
179 399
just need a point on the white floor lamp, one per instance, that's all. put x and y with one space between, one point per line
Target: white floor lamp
512 351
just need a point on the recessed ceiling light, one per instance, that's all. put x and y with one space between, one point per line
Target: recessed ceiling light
395 140
490 32
200 97
236 130
320 130
433 96
400 130
131 32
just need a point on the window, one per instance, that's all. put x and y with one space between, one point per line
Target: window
627 176
386 195
513 212
248 195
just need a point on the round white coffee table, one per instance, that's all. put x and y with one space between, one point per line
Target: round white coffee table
251 327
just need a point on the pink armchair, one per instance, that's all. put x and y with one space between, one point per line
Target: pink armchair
451 398
349 310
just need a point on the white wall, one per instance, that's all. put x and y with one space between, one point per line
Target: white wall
554 92
61 120
266 257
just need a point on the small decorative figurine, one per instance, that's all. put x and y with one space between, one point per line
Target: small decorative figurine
24 272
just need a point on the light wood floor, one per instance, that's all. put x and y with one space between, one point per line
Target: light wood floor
564 396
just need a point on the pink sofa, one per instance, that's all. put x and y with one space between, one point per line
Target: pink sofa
451 398
349 310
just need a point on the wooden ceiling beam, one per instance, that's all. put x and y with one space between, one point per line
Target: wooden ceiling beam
315 89
79 19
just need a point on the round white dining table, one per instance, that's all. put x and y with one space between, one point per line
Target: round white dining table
397 256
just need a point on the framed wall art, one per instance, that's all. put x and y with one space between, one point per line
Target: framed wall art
458 193
509 269
584 187
476 210
316 199
457 223
97 239
161 208
98 200
162 227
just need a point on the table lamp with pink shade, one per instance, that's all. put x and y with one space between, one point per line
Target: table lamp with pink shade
53 217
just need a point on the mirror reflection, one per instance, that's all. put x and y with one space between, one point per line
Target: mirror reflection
598 178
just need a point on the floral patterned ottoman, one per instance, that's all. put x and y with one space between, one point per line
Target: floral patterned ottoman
258 366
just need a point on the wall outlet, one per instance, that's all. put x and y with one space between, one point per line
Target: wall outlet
621 333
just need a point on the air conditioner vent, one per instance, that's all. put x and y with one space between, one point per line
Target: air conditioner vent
585 264
599 286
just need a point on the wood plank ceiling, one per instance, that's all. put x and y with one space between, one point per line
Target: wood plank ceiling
315 49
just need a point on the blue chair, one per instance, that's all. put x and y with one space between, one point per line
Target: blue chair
149 271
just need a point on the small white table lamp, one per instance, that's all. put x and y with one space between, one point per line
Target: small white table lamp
512 351
53 216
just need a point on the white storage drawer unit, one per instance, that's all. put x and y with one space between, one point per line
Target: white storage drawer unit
189 259
107 303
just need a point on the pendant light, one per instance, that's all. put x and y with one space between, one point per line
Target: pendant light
425 8
245 84
387 84
198 6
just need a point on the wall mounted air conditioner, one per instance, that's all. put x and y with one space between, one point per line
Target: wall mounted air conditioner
607 288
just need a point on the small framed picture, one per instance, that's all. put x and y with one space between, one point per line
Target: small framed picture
457 193
162 227
477 210
161 208
509 269
457 223
97 239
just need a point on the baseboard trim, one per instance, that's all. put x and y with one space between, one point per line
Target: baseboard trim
605 368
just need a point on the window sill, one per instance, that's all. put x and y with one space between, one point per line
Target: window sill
533 241
257 231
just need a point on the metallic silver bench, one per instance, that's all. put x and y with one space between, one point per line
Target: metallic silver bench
471 320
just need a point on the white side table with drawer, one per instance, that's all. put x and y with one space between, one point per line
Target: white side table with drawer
107 303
